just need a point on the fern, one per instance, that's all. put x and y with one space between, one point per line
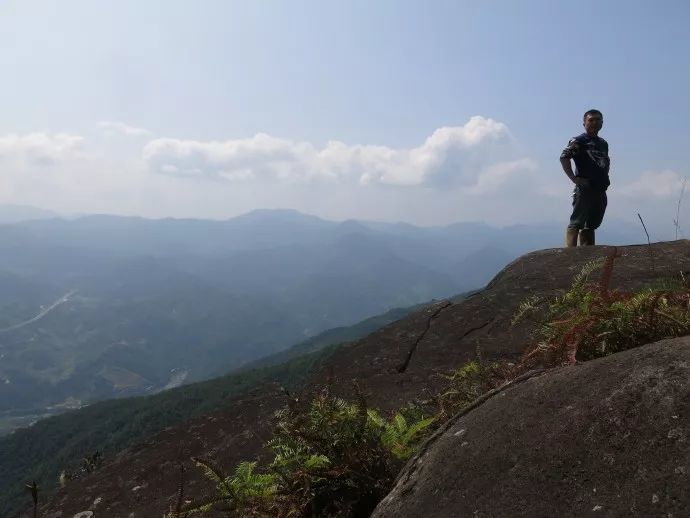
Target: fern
467 383
402 438
592 320
527 306
213 473
315 462
247 485
243 494
330 457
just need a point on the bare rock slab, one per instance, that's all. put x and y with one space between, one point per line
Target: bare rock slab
610 437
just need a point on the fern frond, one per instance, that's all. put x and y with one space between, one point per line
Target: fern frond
317 462
375 418
525 307
583 275
417 428
400 423
215 474
205 506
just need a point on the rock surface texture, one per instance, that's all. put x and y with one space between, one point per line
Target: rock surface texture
610 437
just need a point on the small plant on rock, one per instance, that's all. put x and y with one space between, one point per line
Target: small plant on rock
246 493
468 382
92 462
401 434
592 320
331 458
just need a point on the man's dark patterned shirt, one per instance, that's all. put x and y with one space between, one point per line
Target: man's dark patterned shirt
591 156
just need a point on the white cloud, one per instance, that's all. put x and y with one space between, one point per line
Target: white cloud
655 184
39 149
470 172
451 156
116 127
494 177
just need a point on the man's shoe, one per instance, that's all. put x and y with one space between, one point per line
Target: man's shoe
571 237
586 237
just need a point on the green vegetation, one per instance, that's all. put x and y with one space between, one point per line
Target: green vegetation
591 320
100 346
466 384
245 490
331 458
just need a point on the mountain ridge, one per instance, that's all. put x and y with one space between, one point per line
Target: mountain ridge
150 304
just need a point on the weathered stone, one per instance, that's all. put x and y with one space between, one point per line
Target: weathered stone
606 435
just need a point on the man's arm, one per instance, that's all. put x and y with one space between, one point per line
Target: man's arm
568 153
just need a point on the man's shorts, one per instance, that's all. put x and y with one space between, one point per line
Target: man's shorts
589 206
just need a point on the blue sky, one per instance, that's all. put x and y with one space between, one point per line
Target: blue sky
153 107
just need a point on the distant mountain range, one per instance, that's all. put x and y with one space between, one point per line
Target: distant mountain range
105 306
17 213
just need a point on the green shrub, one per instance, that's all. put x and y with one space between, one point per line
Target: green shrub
399 435
467 383
591 320
331 458
245 493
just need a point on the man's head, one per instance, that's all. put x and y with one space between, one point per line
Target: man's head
593 120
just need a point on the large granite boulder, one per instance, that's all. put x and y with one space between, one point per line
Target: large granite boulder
610 437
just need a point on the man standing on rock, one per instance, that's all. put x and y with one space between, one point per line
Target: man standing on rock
591 178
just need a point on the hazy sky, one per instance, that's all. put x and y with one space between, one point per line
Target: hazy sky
425 111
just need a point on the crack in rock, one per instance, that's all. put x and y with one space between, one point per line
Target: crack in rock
403 367
477 328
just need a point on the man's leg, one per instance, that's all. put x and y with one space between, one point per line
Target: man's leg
571 237
578 218
586 237
597 208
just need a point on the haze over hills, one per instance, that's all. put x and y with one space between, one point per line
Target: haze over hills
16 213
106 306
